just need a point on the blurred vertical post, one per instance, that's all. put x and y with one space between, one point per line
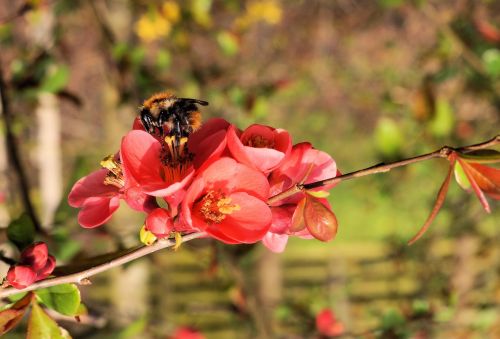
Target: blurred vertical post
270 285
41 32
49 155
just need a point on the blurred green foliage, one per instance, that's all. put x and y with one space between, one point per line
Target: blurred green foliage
366 82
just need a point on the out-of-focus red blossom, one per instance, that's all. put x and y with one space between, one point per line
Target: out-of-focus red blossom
304 165
261 147
187 333
35 264
228 201
160 169
327 324
98 194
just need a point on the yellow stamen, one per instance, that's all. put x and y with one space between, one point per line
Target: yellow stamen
182 144
178 240
259 141
215 206
115 175
225 206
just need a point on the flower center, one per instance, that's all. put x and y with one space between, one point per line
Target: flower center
214 206
259 141
176 158
115 174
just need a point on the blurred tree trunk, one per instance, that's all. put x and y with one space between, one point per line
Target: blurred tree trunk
270 286
49 155
337 282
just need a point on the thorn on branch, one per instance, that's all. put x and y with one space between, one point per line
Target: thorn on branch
85 282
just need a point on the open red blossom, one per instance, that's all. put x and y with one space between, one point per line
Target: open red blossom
261 147
162 167
327 324
228 201
99 193
35 264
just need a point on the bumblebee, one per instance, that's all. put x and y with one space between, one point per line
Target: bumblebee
180 116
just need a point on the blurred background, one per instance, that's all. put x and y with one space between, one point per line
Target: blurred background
366 81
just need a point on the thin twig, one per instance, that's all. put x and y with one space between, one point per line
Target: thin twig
443 152
81 277
14 155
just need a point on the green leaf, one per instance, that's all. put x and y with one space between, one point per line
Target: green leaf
388 137
461 177
42 326
64 298
318 194
21 231
55 80
228 43
491 60
163 60
484 156
444 119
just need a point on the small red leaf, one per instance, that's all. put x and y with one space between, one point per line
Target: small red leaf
441 196
319 219
488 179
11 317
298 217
478 181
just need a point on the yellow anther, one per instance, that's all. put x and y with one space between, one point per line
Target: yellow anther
178 241
225 206
110 163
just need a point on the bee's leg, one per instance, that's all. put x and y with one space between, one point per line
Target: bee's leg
147 121
186 126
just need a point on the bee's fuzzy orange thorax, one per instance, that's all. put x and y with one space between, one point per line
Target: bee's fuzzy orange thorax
155 98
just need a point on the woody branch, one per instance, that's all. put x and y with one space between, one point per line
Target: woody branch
82 276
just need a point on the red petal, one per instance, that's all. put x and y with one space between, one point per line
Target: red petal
139 201
47 270
96 211
275 242
35 255
226 173
263 159
319 219
140 153
248 224
282 218
89 187
21 276
208 142
160 223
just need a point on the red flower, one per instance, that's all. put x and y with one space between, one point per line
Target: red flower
261 147
35 264
304 165
162 167
228 201
187 333
327 324
99 193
